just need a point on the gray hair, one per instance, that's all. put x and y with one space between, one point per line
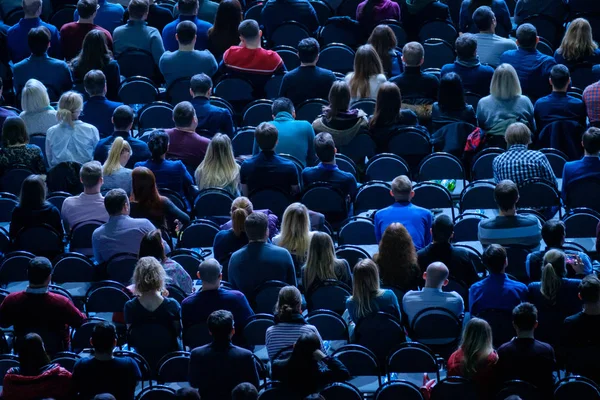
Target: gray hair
505 83
210 270
34 96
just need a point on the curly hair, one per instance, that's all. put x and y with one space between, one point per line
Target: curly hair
149 275
397 258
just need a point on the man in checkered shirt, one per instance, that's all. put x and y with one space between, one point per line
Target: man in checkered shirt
519 164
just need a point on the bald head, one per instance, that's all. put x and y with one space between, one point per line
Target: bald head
32 8
436 275
402 188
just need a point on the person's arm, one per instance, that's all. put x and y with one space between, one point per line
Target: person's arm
39 164
73 317
546 171
66 80
6 314
227 125
472 308
311 157
55 221
335 371
248 370
463 17
55 46
194 371
96 249
255 148
291 270
504 18
428 222
157 47
284 87
377 232
173 212
213 66
245 190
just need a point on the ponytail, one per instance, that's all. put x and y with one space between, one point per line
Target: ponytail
238 218
69 106
113 161
550 283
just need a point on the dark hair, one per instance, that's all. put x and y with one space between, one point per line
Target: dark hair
451 94
308 50
200 83
325 147
138 8
86 8
527 36
38 39
560 76
483 18
32 355
114 201
589 289
151 246
183 114
187 393
158 143
590 139
224 31
248 29
38 270
122 117
104 396
266 136
103 337
301 358
384 42
442 228
94 82
506 194
553 233
94 54
525 316
466 46
244 391
90 173
188 7
387 107
494 258
186 32
256 226
14 132
33 192
289 303
282 104
145 193
220 324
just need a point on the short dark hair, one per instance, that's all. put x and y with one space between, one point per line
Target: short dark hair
103 337
248 29
266 136
200 83
14 131
282 104
256 226
90 173
483 18
525 316
158 143
560 75
187 393
114 201
325 147
186 32
466 46
183 114
591 140
527 36
494 258
553 233
104 396
244 391
38 40
94 82
589 289
86 8
188 7
506 194
122 117
308 50
442 228
38 270
138 8
220 324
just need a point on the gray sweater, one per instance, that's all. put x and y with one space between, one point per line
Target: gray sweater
120 179
39 121
495 115
185 64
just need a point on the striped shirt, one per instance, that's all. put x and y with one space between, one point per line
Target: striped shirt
520 230
285 334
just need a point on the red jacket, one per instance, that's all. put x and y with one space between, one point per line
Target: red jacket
53 382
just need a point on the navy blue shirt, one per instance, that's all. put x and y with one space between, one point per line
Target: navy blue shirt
18 46
98 111
587 167
170 175
54 74
226 243
266 170
168 33
276 12
592 59
476 79
557 106
497 291
305 83
118 377
344 181
212 118
533 69
139 149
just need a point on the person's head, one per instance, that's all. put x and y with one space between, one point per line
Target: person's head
365 286
94 83
90 176
184 116
295 230
39 271
244 391
578 41
227 19
384 42
187 394
506 195
250 33
495 259
87 9
14 132
158 144
451 95
186 33
70 105
257 227
152 246
366 65
138 9
325 147
589 290
32 354
505 83
34 96
442 229
289 303
591 141
104 396
484 19
517 133
320 261
397 257
104 337
339 99
387 106
402 188
38 40
32 8
436 275
527 37
240 209
118 156
116 202
149 276
308 51
560 78
220 325
305 346
143 188
466 46
218 169
33 192
201 85
283 104
94 54
210 271
412 54
122 118
266 136
476 344
553 233
554 268
524 318
188 7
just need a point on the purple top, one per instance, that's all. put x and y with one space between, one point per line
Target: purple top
382 9
272 223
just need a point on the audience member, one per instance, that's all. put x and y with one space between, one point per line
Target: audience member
16 149
71 139
220 361
259 261
37 113
184 143
451 106
341 122
188 11
158 15
460 262
53 73
556 9
508 228
104 373
397 259
383 39
189 393
116 176
417 220
224 32
476 78
277 12
322 264
267 169
586 168
72 34
367 76
498 7
185 61
578 45
108 16
244 391
489 45
219 169
370 13
591 99
295 233
497 291
97 110
212 118
415 13
307 81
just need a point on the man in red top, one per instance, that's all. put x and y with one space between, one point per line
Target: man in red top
37 310
73 33
184 143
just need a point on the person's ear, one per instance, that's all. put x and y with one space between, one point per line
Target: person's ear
517 42
191 93
411 195
446 282
198 275
177 37
91 343
391 193
579 296
221 276
260 34
422 61
535 325
335 150
537 40
425 275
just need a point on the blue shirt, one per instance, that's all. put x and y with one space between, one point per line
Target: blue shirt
54 74
18 47
587 167
168 33
330 173
121 234
497 291
226 243
139 149
533 69
557 106
305 83
98 111
108 16
416 220
276 12
476 79
212 118
170 175
265 170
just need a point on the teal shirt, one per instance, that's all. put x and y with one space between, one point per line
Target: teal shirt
387 302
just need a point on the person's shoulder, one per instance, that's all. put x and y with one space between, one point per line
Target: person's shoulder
527 219
70 26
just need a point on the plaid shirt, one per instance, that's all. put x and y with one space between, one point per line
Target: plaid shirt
591 98
519 164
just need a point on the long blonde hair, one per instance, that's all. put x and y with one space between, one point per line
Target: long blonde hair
320 262
69 107
578 41
366 64
240 209
552 272
218 169
505 83
365 286
113 163
476 345
295 230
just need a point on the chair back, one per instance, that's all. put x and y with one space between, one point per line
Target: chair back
410 143
380 332
538 193
359 360
357 231
273 199
12 179
360 148
583 193
120 267
329 324
478 195
63 16
330 201
256 329
13 267
41 240
156 115
80 238
137 62
152 340
179 90
412 357
433 195
367 105
501 324
438 29
454 387
576 387
157 392
213 203
557 160
200 233
438 166
243 141
73 267
289 55
188 259
581 222
80 337
196 335
399 32
289 33
547 27
8 361
352 254
373 195
237 91
438 52
106 296
330 294
466 227
482 165
309 110
343 29
398 389
341 391
266 295
386 167
137 90
257 112
437 328
7 205
66 359
173 367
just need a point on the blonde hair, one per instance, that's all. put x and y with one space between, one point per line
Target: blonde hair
240 209
218 169
505 83
149 275
517 133
366 64
320 262
552 272
34 96
295 230
365 286
69 107
476 345
113 163
578 41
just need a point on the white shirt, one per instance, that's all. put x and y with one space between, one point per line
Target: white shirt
374 82
71 143
417 300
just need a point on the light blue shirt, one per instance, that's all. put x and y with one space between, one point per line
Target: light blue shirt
415 301
121 234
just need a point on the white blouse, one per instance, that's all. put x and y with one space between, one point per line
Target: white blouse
71 143
374 82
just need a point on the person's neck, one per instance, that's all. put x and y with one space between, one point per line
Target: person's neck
401 200
312 64
591 308
186 47
507 213
31 16
258 241
252 46
41 286
525 334
558 90
151 296
200 95
332 162
86 21
432 286
103 356
185 129
489 31
210 286
585 153
91 190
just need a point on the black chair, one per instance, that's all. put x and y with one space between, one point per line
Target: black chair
342 29
66 359
243 141
348 8
4 241
106 297
581 222
437 328
213 202
8 202
324 11
341 391
138 62
273 199
273 85
438 29
401 35
254 10
151 340
482 167
289 33
329 324
309 110
256 112
329 294
289 54
557 160
39 139
64 177
8 361
399 389
432 195
144 367
175 197
538 194
330 201
373 195
524 390
63 15
438 53
359 360
57 199
337 57
74 268
451 137
137 90
256 329
14 16
13 267
472 99
454 387
41 240
196 335
80 337
80 237
274 391
188 259
583 193
547 27
545 47
179 90
200 233
156 115
221 103
478 195
173 367
466 226
439 166
13 178
266 295
237 91
367 105
357 231
352 254
346 164
412 357
120 267
576 387
501 324
564 135
410 143
361 147
380 332
157 392
176 293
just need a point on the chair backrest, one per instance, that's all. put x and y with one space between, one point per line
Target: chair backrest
341 391
200 233
346 164
63 15
342 29
237 91
348 8
576 387
152 340
7 205
310 109
64 177
581 222
289 33
432 195
473 99
324 11
412 357
386 167
106 296
436 326
137 62
256 329
80 238
272 199
438 52
454 387
80 337
519 388
66 359
120 267
243 141
410 143
478 195
13 178
329 324
557 160
466 227
373 195
538 193
441 166
547 27
221 103
501 324
330 201
157 392
137 90
584 192
367 105
144 367
73 267
481 168
41 240
399 389
256 112
328 295
357 231
188 259
380 332
289 55
196 335
13 266
266 295
179 90
173 367
213 202
582 75
438 29
352 254
273 85
8 361
399 32
157 114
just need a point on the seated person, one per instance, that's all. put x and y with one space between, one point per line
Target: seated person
556 9
97 110
499 8
578 45
184 143
114 173
244 391
322 264
275 13
489 45
188 12
219 169
16 149
109 15
451 106
586 168
73 33
415 13
212 118
37 113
